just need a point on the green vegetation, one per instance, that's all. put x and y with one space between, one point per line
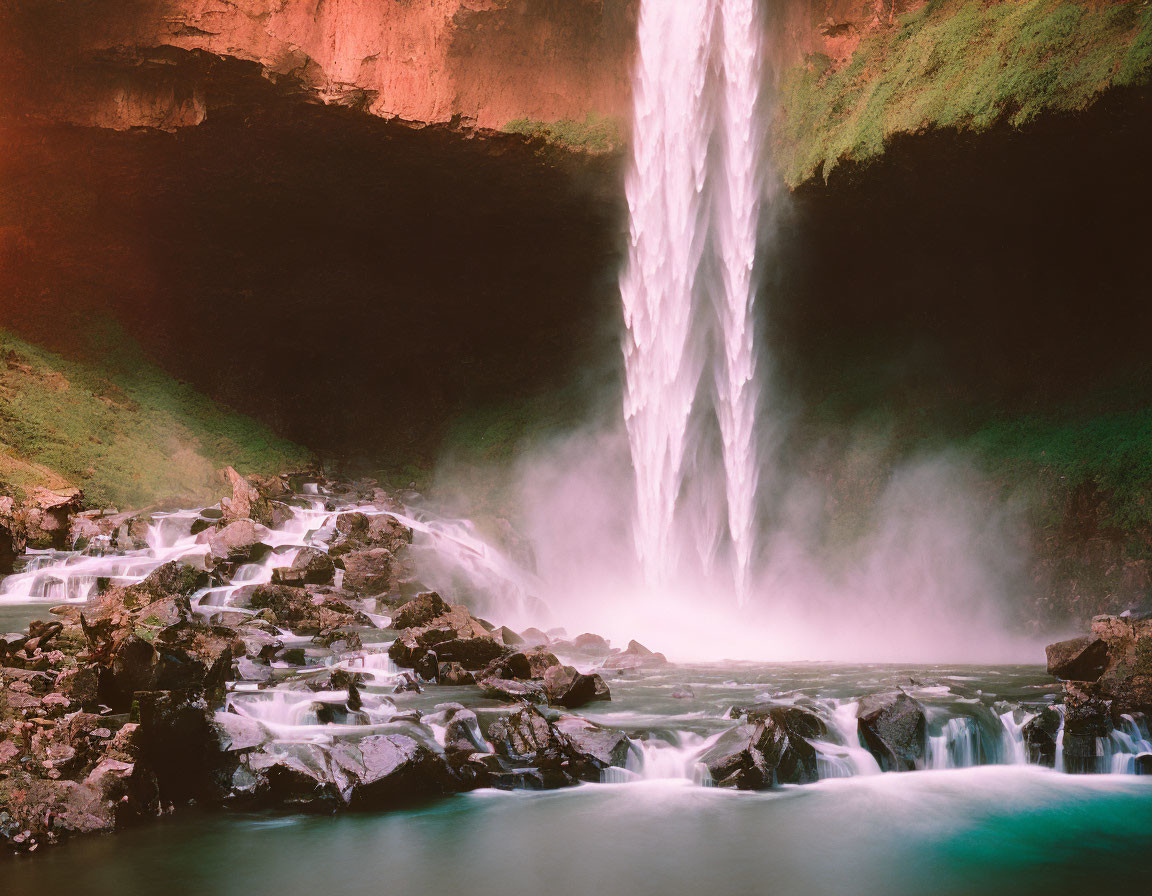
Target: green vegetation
121 429
963 64
596 134
1109 455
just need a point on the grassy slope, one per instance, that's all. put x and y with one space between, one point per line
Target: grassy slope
121 429
964 64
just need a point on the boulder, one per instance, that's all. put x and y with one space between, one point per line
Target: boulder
369 572
462 736
1087 719
893 727
511 689
389 769
508 637
530 663
455 636
420 611
1079 659
246 502
593 645
1039 734
773 751
596 747
636 656
566 687
454 674
238 542
309 567
533 637
45 516
525 739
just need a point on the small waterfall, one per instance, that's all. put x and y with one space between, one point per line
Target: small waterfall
1015 752
675 759
956 746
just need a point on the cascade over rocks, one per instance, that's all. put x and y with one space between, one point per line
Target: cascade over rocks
894 728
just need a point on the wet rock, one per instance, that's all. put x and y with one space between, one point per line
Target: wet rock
297 609
369 571
407 683
682 692
428 666
309 567
1039 735
512 689
246 502
44 518
295 776
455 674
132 792
508 637
763 754
177 743
1079 659
597 747
526 739
237 733
455 636
171 579
462 735
1087 719
253 670
893 727
636 656
1125 678
390 769
421 611
593 645
238 542
533 637
530 663
567 687
11 538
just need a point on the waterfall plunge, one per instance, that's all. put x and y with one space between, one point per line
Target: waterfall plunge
694 195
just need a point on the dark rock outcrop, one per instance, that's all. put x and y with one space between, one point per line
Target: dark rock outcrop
773 751
893 727
569 688
1078 659
1039 735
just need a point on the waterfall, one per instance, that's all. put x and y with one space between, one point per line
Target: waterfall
687 290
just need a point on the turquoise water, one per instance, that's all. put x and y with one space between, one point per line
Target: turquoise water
991 830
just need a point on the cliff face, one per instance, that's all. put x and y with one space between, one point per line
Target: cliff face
482 62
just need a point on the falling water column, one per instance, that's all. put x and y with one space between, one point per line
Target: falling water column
664 343
737 222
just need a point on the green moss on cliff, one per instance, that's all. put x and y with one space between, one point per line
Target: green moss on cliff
963 64
596 134
121 429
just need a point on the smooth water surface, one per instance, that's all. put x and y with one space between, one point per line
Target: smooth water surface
992 830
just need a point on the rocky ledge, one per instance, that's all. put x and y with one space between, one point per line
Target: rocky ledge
258 668
1107 678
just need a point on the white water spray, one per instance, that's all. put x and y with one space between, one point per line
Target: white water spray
694 197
